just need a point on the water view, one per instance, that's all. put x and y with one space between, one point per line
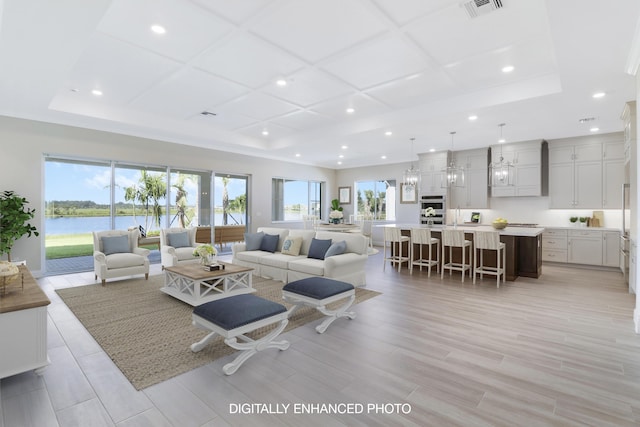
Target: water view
87 224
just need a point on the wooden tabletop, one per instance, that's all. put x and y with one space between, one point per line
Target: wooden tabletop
196 271
15 298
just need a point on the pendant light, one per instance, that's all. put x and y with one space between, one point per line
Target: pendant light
411 176
452 175
501 172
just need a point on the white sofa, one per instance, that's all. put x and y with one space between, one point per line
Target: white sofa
348 266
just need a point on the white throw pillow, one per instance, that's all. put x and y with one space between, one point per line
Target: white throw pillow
292 245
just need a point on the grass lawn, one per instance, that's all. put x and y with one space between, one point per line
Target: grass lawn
71 245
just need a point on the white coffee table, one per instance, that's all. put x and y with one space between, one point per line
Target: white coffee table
194 285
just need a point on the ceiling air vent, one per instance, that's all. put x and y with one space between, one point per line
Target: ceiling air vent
476 8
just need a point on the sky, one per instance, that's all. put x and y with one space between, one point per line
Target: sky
74 181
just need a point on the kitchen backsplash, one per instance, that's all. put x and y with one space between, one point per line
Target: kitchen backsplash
534 210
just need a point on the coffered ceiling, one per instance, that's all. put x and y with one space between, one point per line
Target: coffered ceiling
406 68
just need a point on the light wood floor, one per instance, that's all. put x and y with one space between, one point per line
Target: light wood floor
559 350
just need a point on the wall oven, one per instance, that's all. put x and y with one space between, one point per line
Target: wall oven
437 202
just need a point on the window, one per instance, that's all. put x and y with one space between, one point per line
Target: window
377 199
231 199
293 199
85 195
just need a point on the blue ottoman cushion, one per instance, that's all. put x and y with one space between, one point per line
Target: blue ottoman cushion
239 310
317 287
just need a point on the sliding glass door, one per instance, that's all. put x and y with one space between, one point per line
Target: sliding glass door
230 199
82 196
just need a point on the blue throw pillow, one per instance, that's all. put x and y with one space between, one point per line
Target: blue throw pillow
269 243
336 249
253 240
179 239
115 244
318 248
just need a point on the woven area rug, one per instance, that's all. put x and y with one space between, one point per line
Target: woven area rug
148 333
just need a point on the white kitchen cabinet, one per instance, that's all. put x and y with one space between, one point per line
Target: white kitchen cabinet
554 245
575 175
584 247
431 166
612 180
586 175
611 248
588 184
526 158
474 194
629 121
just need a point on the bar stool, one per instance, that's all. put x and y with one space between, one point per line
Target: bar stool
455 239
394 236
489 240
420 237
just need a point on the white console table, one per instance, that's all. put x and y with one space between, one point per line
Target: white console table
23 327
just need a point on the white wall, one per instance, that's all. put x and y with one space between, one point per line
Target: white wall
21 168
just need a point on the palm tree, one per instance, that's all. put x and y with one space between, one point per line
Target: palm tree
181 201
149 189
239 204
225 200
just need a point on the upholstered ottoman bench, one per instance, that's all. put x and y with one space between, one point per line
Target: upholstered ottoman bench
318 292
235 316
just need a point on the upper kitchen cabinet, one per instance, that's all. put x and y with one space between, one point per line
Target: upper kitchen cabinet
586 173
628 119
528 159
474 194
431 166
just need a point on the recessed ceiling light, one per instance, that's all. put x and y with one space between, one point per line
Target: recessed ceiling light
265 132
473 117
507 69
432 150
97 92
383 157
594 129
350 110
158 29
339 163
341 156
344 147
298 154
501 140
598 94
281 82
388 133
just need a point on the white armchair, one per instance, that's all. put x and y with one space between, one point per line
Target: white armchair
177 245
116 254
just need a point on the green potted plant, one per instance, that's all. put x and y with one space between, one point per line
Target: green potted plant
573 219
336 215
14 217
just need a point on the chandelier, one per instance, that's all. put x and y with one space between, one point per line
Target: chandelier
501 172
411 176
452 175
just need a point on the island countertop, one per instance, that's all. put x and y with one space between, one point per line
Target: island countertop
508 231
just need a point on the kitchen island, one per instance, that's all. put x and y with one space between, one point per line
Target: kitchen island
523 246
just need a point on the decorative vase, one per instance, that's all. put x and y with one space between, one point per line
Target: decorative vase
429 222
204 260
336 220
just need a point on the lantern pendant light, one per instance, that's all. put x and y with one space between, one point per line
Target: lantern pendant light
452 175
412 175
501 172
